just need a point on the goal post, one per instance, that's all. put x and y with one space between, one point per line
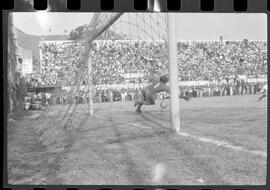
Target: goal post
173 72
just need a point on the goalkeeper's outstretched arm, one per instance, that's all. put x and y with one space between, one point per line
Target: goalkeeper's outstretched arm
162 86
165 88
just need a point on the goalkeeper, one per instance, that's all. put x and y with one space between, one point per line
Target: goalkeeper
149 93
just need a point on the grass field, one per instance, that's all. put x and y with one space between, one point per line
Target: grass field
223 141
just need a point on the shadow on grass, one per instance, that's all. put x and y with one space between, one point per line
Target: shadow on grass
189 156
134 176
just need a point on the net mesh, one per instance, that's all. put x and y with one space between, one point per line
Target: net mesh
115 52
129 51
109 37
135 44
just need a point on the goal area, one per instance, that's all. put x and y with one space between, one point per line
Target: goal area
122 51
152 38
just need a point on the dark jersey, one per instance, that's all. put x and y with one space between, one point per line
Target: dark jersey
240 70
162 87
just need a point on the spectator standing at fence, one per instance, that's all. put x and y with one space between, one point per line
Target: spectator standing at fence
132 95
241 74
237 87
231 84
123 98
48 97
209 90
64 98
87 97
103 96
99 96
252 88
247 91
220 89
39 96
83 98
111 96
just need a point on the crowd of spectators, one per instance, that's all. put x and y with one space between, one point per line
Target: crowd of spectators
215 60
59 61
110 60
34 100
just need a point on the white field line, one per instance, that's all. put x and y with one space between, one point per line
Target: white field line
203 139
224 144
108 109
132 124
262 106
116 109
32 116
101 117
138 125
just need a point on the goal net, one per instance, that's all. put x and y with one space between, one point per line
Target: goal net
131 48
117 54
